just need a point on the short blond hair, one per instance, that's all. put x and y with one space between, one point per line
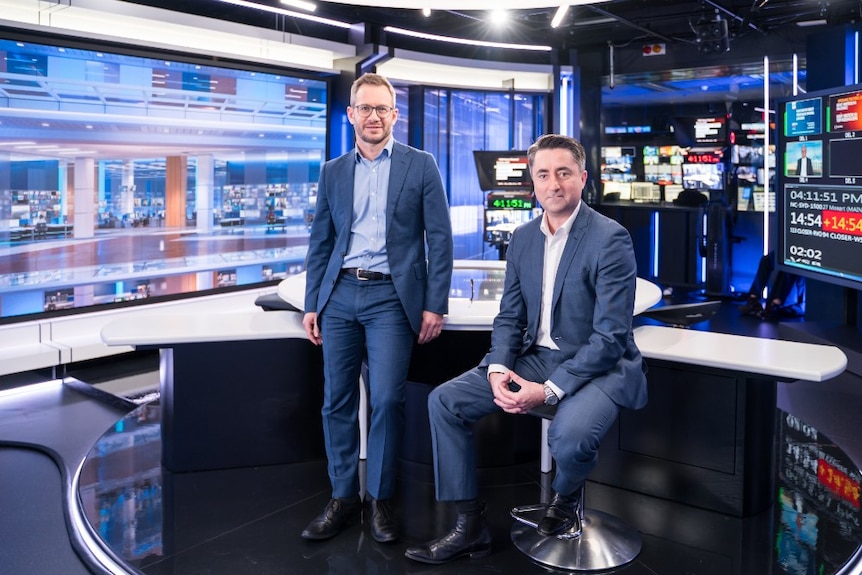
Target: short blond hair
369 79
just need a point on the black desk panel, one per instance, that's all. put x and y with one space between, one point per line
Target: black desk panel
705 439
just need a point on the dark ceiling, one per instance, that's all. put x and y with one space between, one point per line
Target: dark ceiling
616 21
754 28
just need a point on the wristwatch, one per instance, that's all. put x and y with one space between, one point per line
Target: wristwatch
550 397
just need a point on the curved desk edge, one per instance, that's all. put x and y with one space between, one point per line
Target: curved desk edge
464 313
784 360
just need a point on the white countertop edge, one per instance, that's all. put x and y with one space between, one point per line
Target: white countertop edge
784 360
204 328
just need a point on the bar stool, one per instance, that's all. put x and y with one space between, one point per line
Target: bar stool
603 541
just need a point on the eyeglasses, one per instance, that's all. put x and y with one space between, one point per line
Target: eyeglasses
365 110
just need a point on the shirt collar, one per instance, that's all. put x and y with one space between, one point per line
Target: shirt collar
567 225
386 152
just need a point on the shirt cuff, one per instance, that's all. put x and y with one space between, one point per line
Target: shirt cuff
497 368
557 391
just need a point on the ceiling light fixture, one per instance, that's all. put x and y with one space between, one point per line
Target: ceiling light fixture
559 15
806 23
301 4
290 13
471 4
468 42
426 12
499 17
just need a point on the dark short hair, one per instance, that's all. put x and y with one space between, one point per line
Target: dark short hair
556 142
369 79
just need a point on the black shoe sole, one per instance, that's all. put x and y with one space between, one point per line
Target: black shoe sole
478 554
386 539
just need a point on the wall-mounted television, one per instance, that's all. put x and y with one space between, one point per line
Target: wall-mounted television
820 211
502 170
699 131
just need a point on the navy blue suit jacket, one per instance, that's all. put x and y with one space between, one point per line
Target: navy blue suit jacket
593 303
417 213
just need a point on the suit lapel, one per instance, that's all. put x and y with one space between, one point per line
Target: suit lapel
397 176
572 245
344 190
535 260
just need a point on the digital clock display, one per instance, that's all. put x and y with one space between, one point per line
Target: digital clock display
510 203
823 228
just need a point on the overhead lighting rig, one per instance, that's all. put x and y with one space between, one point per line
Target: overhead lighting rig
712 36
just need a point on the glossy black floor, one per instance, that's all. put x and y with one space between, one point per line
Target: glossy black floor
249 520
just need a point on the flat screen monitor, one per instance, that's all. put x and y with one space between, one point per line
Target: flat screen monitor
700 131
820 208
703 177
618 164
746 175
747 155
502 170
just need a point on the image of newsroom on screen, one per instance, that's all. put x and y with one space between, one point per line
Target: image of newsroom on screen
821 219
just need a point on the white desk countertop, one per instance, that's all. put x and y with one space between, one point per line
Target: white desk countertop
785 360
204 327
466 314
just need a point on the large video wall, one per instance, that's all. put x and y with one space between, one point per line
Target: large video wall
126 177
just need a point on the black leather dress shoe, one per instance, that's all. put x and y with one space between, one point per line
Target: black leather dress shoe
470 536
562 515
384 524
335 517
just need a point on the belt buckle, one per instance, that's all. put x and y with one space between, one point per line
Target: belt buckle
359 271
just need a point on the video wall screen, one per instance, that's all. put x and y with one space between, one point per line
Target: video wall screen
241 145
618 164
820 186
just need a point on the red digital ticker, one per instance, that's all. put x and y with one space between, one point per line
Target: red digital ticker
838 482
842 222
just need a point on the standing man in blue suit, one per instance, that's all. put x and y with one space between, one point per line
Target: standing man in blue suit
371 287
563 337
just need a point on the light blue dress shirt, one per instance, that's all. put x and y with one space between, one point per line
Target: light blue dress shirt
368 232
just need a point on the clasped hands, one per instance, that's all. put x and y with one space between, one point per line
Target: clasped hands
528 394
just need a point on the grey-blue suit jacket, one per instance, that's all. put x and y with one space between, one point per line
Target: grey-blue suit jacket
593 303
417 213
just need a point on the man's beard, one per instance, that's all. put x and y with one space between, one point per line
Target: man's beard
361 134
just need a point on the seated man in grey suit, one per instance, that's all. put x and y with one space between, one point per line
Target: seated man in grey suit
563 337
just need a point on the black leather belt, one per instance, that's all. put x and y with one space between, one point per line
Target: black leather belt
362 274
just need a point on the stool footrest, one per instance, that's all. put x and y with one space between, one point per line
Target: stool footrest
605 542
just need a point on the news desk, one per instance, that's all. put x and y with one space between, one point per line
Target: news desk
244 388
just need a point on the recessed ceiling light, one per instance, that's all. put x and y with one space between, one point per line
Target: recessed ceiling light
806 23
466 41
301 4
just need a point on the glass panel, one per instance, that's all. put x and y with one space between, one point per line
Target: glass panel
460 121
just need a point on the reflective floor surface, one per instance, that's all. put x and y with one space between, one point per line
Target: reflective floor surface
249 520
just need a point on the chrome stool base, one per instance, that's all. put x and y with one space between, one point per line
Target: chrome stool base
604 542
